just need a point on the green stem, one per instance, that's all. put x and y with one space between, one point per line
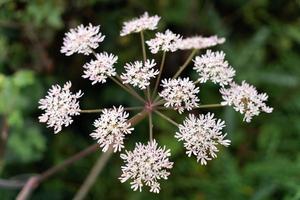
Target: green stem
99 110
166 118
128 90
143 46
158 102
146 92
197 81
216 105
128 87
150 126
186 63
91 111
160 72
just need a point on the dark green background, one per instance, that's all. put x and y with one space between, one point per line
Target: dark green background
263 38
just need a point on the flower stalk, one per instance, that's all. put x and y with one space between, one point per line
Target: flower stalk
188 60
160 72
166 118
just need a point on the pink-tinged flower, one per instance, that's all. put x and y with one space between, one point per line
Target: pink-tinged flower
146 165
212 66
98 70
59 105
167 41
82 39
245 99
111 128
201 135
144 22
179 94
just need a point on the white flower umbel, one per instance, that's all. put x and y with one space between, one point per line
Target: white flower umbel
212 66
146 165
200 42
144 22
179 94
167 41
82 39
245 99
59 105
201 136
111 128
139 74
98 70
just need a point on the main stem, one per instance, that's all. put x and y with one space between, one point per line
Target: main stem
36 180
95 171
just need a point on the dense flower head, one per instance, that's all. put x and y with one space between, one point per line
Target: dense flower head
167 41
146 165
59 105
82 39
201 135
111 128
200 42
245 99
180 94
212 66
139 74
144 22
98 70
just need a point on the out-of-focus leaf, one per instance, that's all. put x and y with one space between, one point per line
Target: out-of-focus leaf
15 119
23 78
25 145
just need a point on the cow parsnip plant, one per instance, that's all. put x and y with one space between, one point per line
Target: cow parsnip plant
201 135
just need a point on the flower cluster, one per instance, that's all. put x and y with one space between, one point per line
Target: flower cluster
167 41
145 165
245 99
136 25
59 105
200 42
82 40
98 70
180 94
139 74
111 128
201 136
211 66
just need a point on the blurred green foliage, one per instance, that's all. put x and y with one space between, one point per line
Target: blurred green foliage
263 45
